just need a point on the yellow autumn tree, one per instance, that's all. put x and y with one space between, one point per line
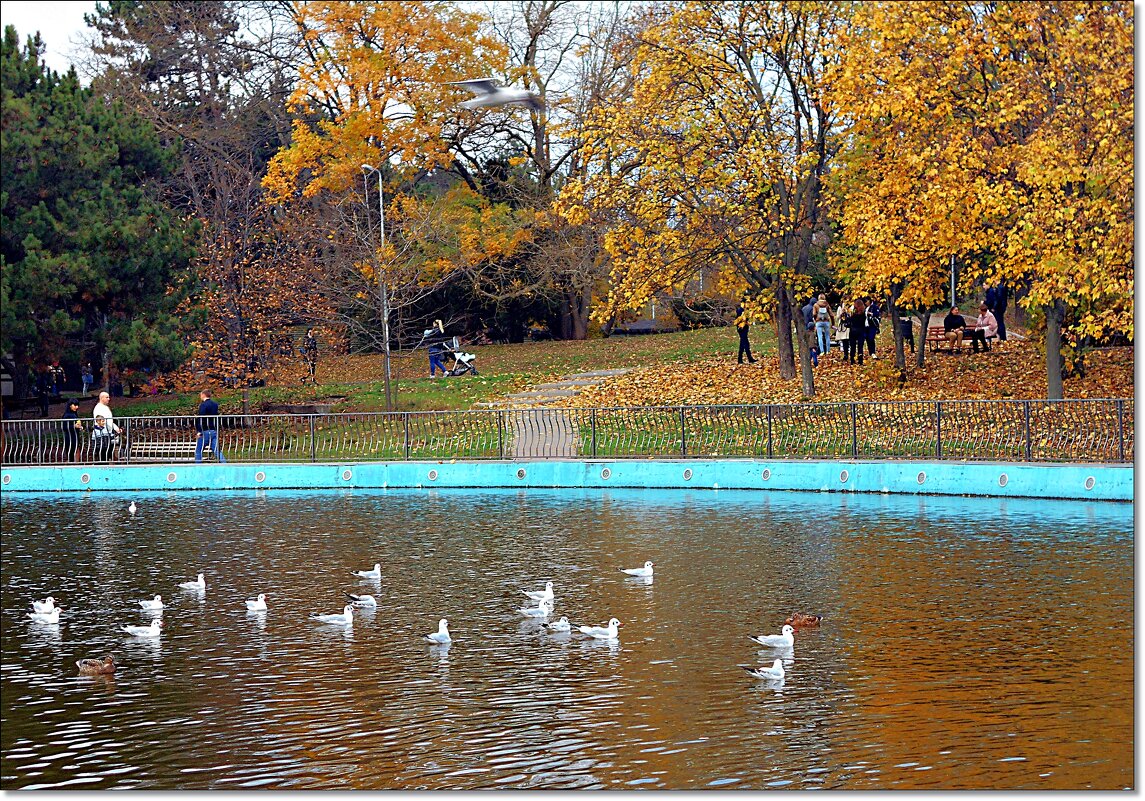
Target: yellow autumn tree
998 133
714 161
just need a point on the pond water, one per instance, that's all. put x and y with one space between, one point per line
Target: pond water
966 643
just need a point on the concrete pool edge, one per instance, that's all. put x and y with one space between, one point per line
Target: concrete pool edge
1091 482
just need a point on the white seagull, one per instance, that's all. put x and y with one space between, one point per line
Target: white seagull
785 639
643 572
542 609
44 606
152 605
145 631
375 573
344 619
441 636
490 93
611 632
541 595
558 625
258 604
198 584
774 671
362 600
133 508
46 617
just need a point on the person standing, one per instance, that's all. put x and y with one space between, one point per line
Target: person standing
821 313
87 377
102 439
842 333
102 409
997 299
435 362
207 426
310 354
43 390
873 320
857 328
72 430
742 326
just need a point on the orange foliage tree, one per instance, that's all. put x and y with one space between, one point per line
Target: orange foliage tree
1002 134
715 159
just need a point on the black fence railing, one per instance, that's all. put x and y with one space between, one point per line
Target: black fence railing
1014 431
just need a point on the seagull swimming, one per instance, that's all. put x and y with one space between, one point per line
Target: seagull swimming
541 595
558 625
133 508
542 609
375 573
774 671
638 571
198 584
152 605
46 617
441 636
362 600
785 639
344 619
258 604
145 631
610 632
44 606
96 667
490 93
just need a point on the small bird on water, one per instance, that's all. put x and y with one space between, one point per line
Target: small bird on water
96 667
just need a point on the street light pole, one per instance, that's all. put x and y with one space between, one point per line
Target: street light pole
366 170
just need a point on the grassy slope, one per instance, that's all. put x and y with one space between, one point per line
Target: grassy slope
687 367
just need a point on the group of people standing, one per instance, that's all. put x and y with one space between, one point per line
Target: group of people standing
851 326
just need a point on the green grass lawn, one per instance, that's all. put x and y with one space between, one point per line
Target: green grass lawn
503 369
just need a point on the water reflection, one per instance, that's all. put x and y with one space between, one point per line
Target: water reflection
228 698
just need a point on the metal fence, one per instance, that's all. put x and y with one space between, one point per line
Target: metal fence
1013 431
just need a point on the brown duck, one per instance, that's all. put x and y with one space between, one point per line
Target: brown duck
801 620
96 667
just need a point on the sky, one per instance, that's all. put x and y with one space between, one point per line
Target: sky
60 24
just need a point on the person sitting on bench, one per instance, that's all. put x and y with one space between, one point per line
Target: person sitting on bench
987 327
954 325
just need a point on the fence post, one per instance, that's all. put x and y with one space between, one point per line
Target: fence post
769 448
1120 429
313 443
938 429
683 434
39 442
1029 449
405 421
594 432
500 433
127 440
854 430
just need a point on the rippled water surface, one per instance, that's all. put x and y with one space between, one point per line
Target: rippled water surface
966 643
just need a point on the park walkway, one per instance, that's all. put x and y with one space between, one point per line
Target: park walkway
539 431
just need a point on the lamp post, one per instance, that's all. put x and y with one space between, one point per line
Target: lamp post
366 170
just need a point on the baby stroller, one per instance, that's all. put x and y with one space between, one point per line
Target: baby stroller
462 362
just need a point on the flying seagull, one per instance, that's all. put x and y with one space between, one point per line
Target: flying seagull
490 93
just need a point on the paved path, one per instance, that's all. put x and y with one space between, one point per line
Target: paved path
539 431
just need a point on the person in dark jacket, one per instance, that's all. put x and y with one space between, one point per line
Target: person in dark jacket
72 430
207 424
857 328
742 325
997 299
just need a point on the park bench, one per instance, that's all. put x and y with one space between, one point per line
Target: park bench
936 337
166 451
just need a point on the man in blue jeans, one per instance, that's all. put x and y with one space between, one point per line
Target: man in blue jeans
207 424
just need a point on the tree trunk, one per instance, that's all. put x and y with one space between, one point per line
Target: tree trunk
921 357
1054 316
805 368
783 330
896 327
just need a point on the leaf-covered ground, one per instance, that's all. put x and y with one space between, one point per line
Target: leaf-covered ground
1013 370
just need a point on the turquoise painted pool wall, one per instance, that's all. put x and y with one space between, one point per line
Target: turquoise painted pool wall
1067 481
